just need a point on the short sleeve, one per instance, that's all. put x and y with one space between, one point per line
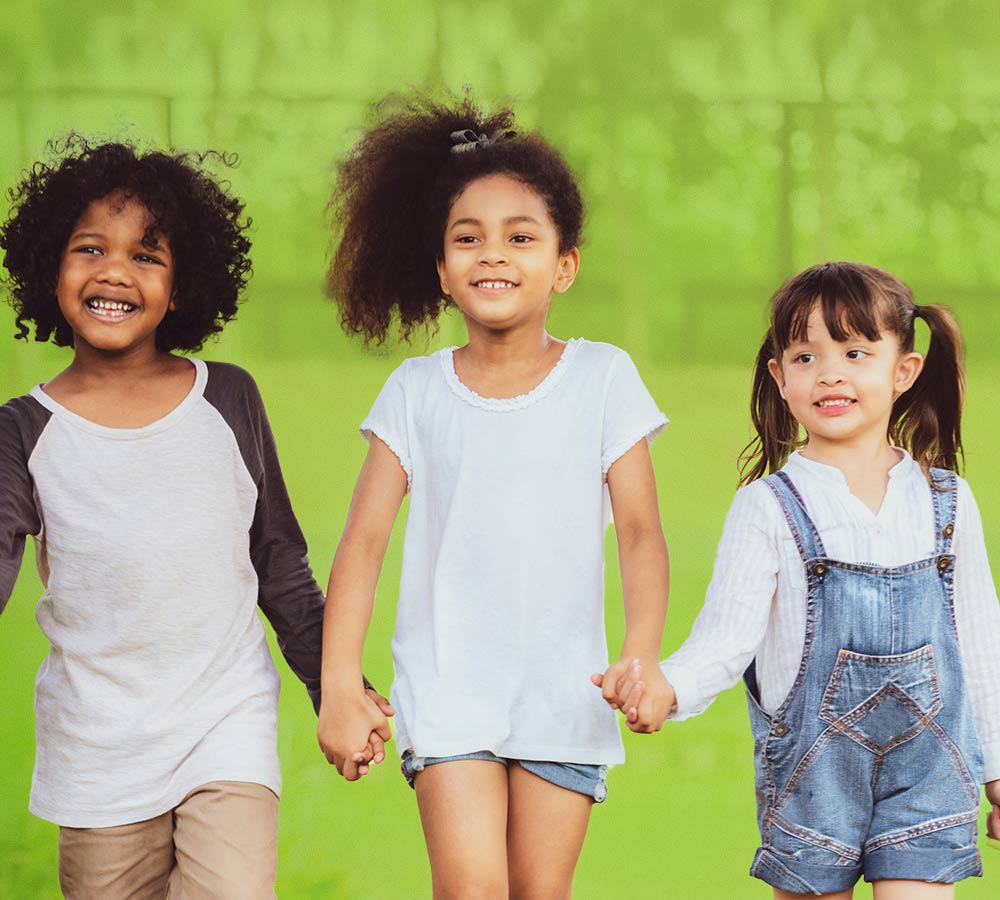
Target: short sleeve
388 420
630 413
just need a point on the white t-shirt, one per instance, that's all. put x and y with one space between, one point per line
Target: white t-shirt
501 609
156 545
756 603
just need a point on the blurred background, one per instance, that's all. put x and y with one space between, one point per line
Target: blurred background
722 146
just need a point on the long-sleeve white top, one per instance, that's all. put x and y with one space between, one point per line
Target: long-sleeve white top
756 602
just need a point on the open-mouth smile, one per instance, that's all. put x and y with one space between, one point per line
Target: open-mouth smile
110 310
494 284
832 405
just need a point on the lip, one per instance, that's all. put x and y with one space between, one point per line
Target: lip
494 286
841 404
110 310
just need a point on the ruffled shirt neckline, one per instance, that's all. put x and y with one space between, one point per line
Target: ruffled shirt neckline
507 404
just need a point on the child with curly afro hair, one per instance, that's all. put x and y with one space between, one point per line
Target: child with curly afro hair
151 486
514 449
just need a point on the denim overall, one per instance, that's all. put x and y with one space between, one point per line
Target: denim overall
872 764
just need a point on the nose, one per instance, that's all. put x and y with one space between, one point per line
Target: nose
114 270
831 375
493 253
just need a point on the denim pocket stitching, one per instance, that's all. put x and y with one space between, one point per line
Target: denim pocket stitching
914 831
817 839
845 723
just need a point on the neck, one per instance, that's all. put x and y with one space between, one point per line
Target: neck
504 348
94 366
869 457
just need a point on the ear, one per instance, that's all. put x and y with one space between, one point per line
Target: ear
569 265
442 277
908 368
779 377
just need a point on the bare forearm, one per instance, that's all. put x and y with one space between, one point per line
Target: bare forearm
645 569
349 603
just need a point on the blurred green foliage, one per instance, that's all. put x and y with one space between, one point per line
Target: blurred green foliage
722 145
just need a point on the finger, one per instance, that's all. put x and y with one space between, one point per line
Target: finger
630 706
609 688
382 730
377 746
626 693
597 678
385 707
349 770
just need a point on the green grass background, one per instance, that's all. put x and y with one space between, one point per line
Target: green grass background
721 145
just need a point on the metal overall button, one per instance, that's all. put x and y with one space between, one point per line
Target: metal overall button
943 564
780 729
819 569
948 530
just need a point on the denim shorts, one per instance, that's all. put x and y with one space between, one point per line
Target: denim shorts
580 777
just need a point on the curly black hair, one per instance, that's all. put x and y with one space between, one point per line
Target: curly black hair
192 209
393 194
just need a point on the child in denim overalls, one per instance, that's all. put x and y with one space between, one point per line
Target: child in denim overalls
853 591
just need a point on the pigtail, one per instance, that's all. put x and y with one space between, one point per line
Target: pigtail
389 212
777 430
926 419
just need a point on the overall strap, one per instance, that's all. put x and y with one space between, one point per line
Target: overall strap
944 494
807 538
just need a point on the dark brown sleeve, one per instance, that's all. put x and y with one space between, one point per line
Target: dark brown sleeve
288 593
21 422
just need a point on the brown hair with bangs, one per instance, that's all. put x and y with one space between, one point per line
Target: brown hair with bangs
860 299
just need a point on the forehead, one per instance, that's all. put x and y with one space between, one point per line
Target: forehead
115 210
497 197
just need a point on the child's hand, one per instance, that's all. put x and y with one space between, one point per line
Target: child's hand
621 686
654 704
992 789
375 751
352 731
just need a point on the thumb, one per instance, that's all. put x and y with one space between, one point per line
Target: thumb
597 678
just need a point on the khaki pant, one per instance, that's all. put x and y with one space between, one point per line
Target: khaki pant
221 842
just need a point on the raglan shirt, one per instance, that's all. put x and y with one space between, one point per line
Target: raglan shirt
500 621
155 546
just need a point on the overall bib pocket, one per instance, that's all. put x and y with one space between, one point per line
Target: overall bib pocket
881 702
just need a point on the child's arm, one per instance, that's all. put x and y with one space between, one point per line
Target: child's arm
18 515
645 568
348 720
977 621
287 592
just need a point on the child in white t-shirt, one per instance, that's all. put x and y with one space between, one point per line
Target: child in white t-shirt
514 449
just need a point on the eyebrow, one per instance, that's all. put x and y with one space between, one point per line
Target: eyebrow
97 235
510 220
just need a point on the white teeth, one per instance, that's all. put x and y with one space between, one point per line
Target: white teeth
495 285
841 402
112 307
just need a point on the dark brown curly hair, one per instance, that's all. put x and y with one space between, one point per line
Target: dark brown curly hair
198 215
393 194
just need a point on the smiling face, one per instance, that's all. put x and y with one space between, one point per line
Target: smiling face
501 259
114 284
843 391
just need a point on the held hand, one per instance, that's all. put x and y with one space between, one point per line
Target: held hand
375 751
653 707
352 731
992 789
621 686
